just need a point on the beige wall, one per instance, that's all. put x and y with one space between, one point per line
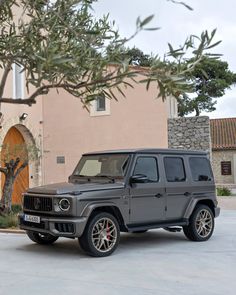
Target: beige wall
217 158
61 127
139 120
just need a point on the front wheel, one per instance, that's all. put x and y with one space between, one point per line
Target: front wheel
101 235
41 238
201 224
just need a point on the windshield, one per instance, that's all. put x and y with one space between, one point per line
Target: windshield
113 165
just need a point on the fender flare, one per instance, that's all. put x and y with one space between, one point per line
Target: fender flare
191 206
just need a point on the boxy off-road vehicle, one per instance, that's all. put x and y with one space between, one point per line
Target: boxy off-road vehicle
124 191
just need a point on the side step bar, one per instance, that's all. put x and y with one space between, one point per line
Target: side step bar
165 225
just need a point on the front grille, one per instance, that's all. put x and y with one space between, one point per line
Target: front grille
65 227
37 203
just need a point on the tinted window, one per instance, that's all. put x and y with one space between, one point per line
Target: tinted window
174 168
147 166
200 168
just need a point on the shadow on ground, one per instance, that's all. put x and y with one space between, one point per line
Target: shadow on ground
128 242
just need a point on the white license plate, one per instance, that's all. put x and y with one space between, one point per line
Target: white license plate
32 218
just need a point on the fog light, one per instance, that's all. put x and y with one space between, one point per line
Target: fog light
64 204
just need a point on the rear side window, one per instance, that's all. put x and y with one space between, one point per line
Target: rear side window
174 168
147 166
200 169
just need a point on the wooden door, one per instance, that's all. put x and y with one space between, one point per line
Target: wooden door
13 138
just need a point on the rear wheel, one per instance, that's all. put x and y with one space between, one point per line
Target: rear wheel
101 235
41 238
201 224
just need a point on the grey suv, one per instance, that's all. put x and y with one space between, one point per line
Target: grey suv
124 191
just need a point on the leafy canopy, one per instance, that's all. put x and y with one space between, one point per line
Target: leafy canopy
60 44
211 78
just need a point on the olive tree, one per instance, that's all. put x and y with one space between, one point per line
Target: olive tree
15 158
60 44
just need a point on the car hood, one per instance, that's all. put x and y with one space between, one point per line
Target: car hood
73 188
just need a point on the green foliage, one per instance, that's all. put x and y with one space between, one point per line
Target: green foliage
61 45
223 191
212 77
8 221
133 56
16 208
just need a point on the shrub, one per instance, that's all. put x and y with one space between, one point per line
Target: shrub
223 191
16 208
8 221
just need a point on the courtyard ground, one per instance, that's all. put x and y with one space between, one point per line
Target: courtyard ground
157 262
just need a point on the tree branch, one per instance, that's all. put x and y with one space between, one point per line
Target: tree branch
22 167
3 170
4 78
67 86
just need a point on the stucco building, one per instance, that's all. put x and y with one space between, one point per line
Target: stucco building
62 130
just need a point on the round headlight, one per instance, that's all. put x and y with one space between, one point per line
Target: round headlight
64 204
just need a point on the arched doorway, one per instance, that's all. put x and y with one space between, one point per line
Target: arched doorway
15 138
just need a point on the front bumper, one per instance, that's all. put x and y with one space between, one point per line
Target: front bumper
217 211
56 226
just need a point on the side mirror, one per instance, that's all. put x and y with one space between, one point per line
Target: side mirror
138 178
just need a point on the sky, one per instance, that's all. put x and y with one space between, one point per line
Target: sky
177 23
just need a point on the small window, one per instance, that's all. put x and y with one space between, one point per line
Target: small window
200 169
226 168
101 103
60 160
174 168
147 166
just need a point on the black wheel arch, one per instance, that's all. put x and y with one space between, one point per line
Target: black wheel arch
207 202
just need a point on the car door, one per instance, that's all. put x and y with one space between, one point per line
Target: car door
147 201
178 186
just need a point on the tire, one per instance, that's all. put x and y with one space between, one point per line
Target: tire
201 224
139 231
41 238
101 235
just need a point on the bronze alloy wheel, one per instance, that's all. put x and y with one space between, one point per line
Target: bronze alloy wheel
204 223
104 234
201 224
101 235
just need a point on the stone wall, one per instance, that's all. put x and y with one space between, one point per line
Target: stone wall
191 133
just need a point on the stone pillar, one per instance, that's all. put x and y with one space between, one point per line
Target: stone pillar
190 133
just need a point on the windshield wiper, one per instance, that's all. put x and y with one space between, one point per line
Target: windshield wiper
107 176
83 176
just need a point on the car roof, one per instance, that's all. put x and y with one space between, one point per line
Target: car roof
148 151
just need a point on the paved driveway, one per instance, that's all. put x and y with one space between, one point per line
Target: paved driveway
157 262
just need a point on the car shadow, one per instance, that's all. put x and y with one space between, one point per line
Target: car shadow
128 242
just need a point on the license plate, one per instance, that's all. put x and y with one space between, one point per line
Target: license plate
32 218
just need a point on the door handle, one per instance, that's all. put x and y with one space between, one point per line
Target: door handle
187 194
158 195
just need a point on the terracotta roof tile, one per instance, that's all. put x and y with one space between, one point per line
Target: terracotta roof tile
223 133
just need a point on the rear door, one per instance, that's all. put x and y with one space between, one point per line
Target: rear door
147 200
178 186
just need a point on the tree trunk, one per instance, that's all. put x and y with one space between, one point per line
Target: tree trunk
11 172
7 192
197 112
